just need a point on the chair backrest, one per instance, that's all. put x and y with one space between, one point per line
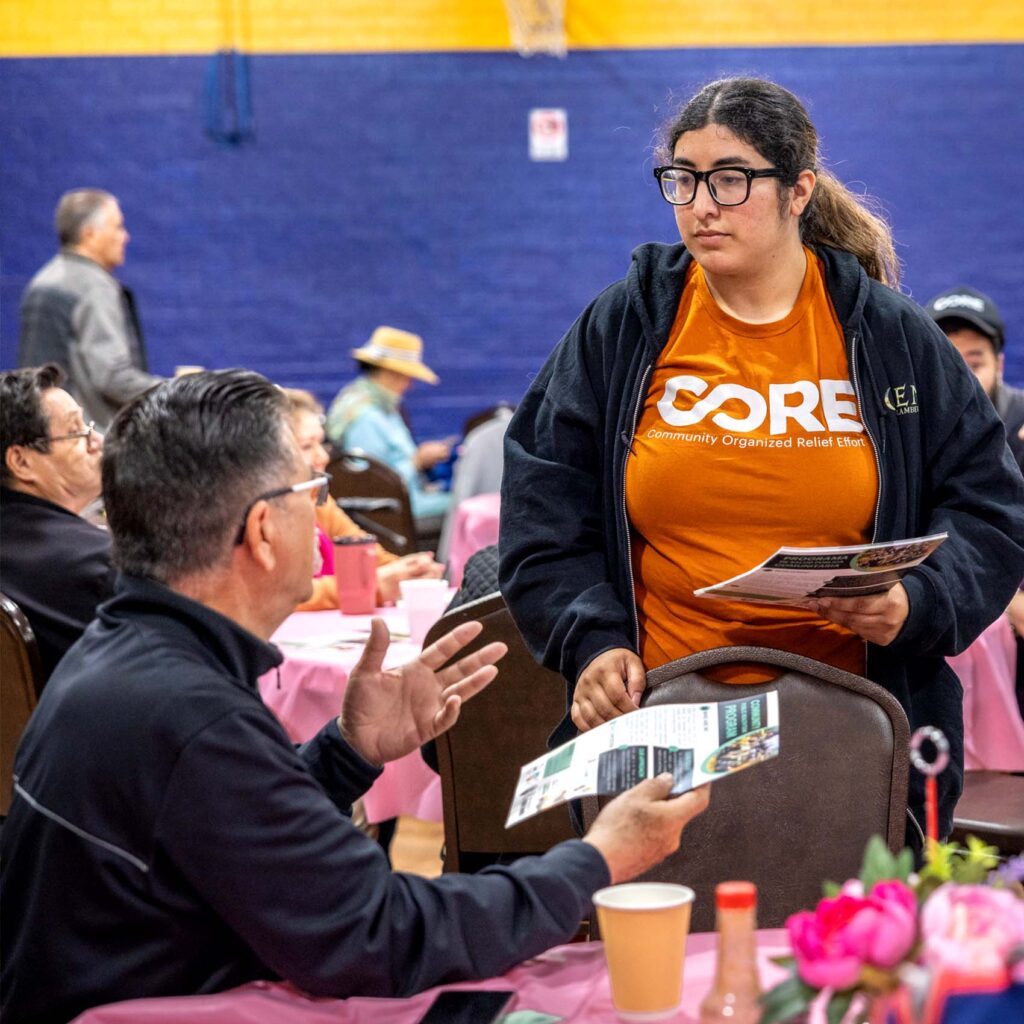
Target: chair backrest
20 681
806 816
991 807
498 731
375 497
479 578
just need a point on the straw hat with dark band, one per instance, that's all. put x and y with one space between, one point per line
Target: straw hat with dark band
396 350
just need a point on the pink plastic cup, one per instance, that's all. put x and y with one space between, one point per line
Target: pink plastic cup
355 570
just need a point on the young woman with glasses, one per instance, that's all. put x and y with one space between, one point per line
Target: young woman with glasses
760 384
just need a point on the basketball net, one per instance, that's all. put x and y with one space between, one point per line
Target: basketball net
537 26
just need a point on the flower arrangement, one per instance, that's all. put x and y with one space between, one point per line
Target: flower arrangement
891 929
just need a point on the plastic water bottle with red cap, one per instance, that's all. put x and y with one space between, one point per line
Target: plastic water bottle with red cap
737 986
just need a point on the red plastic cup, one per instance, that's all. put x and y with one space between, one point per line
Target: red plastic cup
355 570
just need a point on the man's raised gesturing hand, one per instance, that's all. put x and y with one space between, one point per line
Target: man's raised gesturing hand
387 713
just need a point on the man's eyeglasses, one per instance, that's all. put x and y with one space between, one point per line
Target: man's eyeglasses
729 186
320 483
87 431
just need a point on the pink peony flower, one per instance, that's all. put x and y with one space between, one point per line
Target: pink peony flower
971 928
883 932
850 930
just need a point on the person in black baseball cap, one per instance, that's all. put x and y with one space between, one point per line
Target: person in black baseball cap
973 323
974 308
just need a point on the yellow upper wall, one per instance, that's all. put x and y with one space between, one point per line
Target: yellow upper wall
145 27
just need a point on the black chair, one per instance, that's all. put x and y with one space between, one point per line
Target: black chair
498 731
20 683
375 497
479 577
991 807
806 816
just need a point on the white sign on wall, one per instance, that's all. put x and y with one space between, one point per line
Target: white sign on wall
549 134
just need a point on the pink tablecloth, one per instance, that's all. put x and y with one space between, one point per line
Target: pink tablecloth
993 729
569 982
307 691
475 527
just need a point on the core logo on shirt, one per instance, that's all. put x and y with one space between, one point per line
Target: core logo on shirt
798 401
902 400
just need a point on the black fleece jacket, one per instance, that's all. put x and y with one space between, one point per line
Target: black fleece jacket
167 839
942 459
56 567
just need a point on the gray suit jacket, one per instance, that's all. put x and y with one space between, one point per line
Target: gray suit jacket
74 313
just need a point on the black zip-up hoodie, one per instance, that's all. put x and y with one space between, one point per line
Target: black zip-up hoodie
942 458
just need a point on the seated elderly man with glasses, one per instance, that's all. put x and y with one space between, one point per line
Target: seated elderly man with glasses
53 564
165 837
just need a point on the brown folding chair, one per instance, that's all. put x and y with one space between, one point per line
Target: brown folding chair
991 807
806 816
20 682
375 497
498 731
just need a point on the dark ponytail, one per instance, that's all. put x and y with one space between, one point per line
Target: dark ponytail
775 123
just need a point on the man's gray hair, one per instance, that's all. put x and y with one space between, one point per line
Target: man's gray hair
182 462
76 210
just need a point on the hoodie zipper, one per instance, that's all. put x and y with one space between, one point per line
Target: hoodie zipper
627 440
854 338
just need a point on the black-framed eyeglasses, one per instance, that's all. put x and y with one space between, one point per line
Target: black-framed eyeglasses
320 483
729 186
87 431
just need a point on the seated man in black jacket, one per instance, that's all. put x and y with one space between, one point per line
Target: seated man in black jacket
53 564
166 838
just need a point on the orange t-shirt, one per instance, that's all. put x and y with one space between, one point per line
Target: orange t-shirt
750 438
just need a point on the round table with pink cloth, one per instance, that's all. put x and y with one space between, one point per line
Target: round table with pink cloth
321 649
570 983
475 526
993 728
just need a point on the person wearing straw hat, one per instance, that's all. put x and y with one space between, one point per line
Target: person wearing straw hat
366 414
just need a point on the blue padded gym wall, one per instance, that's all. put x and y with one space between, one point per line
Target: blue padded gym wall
396 188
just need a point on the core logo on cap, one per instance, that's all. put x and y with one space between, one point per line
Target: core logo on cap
970 301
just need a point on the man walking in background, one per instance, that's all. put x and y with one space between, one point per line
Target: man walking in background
77 314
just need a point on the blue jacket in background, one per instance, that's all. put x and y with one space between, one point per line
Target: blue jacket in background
943 465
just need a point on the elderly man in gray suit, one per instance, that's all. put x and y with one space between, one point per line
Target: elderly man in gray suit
77 314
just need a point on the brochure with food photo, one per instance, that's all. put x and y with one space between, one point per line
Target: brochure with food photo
695 742
797 576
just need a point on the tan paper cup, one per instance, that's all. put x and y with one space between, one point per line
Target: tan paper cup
644 927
